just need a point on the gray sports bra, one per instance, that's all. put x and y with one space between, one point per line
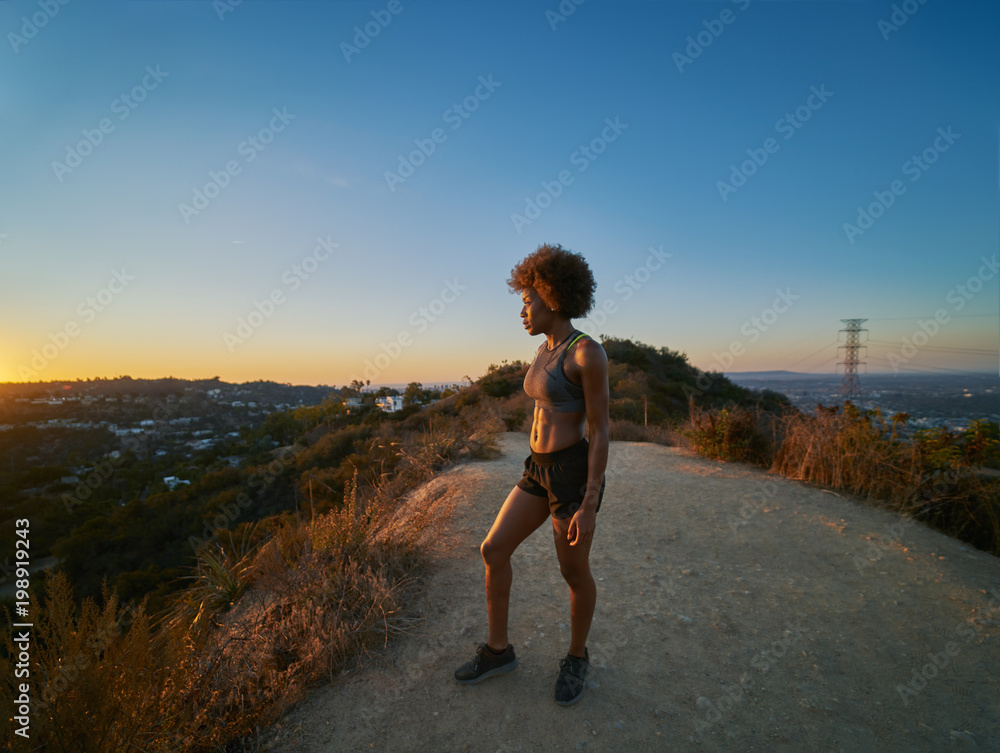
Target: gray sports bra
546 380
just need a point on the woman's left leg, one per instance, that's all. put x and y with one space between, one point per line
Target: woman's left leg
574 564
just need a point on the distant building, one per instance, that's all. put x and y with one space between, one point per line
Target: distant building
390 403
173 482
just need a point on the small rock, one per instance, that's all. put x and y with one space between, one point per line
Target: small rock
619 725
686 572
962 734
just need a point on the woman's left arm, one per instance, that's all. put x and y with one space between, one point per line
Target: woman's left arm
593 362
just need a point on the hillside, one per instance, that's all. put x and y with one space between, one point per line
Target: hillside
736 611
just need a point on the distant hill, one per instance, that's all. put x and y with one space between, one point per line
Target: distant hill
646 384
778 374
126 385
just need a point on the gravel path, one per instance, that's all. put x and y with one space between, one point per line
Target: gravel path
737 611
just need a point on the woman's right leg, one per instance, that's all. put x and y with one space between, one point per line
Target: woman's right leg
522 513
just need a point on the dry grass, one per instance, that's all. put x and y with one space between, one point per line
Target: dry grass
734 434
935 476
82 698
255 629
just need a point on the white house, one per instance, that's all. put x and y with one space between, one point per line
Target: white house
173 482
390 403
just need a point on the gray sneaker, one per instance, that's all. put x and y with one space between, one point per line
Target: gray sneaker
486 664
572 678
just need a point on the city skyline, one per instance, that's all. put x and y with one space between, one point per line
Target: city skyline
313 193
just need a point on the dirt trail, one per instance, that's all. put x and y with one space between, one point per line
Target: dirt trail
737 611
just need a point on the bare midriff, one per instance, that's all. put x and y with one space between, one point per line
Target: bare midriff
552 431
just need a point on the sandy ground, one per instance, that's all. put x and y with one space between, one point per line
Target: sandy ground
737 611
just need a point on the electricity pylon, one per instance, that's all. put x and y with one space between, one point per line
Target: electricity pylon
850 386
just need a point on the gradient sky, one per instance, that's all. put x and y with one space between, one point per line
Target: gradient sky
104 273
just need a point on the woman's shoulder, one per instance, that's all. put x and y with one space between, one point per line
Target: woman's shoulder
588 348
583 340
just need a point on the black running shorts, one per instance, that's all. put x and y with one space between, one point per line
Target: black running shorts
560 476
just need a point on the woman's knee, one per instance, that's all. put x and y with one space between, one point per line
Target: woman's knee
575 574
492 553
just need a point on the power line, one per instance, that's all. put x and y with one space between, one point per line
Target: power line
929 316
940 348
923 368
806 358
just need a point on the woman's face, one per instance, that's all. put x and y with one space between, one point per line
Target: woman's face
535 314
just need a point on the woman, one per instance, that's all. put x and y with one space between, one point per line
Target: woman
564 475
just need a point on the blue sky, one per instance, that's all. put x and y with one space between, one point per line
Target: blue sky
362 206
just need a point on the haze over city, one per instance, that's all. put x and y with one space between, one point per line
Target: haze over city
316 192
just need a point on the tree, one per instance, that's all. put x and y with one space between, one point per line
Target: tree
415 394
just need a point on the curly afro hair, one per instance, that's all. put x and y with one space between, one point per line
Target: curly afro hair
561 278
